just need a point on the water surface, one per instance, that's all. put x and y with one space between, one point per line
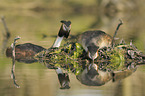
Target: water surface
31 25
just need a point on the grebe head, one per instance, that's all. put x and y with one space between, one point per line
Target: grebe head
63 32
93 52
65 29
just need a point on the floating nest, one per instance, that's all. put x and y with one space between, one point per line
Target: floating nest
72 57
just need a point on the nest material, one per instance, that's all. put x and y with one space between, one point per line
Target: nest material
73 57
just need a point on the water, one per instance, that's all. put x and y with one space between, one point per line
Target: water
35 79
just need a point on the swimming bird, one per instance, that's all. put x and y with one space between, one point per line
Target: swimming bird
27 50
92 41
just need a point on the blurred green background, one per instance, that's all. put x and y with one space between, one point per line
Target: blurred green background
32 20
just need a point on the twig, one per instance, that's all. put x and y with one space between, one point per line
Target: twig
13 62
6 28
116 31
5 40
6 34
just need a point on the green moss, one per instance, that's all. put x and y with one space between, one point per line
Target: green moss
66 57
117 59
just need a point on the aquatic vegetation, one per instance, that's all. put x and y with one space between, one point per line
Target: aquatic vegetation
67 56
113 63
73 58
117 59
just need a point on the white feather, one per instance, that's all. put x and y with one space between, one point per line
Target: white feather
57 41
59 71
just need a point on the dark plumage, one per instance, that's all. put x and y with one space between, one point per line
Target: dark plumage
64 80
65 29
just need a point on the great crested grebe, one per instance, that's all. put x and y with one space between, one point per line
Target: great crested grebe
92 41
28 49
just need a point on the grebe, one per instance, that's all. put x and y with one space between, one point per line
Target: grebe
29 50
92 41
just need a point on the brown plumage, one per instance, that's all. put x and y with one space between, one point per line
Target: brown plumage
92 41
24 50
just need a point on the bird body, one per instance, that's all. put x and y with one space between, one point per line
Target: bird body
92 41
24 50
